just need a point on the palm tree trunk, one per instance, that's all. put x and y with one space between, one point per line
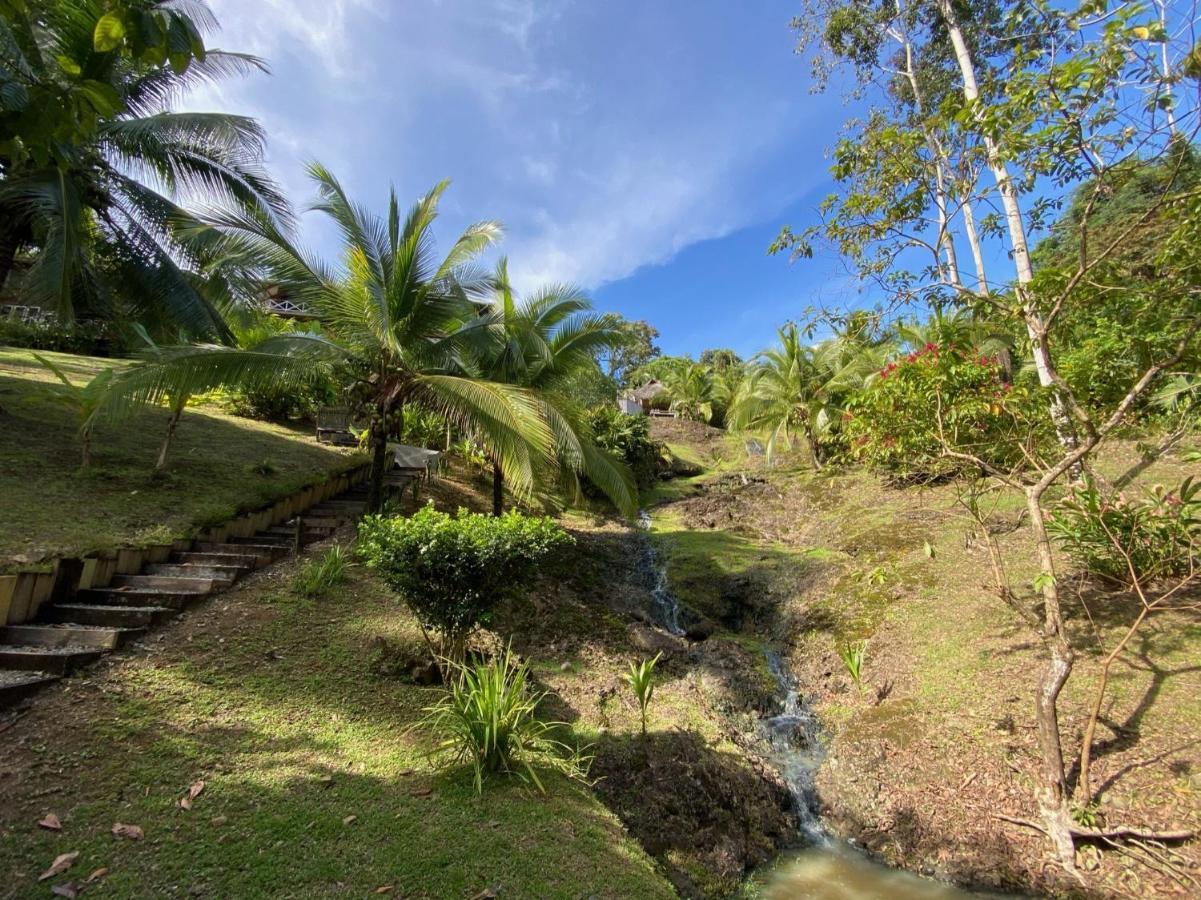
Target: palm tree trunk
9 240
498 490
379 466
172 423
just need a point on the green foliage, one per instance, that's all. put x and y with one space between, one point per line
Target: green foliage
628 437
636 348
545 342
641 680
90 337
318 576
98 168
85 399
924 409
1120 539
794 389
453 570
853 656
488 718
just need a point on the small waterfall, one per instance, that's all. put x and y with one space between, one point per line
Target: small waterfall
663 601
793 737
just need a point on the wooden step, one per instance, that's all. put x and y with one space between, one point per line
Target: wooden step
278 543
51 660
16 685
223 575
307 536
167 583
137 597
265 555
110 616
246 562
73 635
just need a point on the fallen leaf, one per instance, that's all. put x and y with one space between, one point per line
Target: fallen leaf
326 780
219 820
51 823
99 873
488 893
69 889
193 792
133 832
349 819
385 889
405 772
421 792
61 864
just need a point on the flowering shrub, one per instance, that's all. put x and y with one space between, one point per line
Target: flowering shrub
453 570
923 409
1157 536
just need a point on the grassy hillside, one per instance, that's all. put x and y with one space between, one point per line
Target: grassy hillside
218 464
316 779
941 737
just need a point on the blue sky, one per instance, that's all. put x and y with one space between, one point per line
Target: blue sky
648 151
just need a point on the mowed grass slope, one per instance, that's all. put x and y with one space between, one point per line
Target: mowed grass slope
218 464
316 777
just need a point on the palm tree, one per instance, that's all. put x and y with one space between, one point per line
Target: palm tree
797 388
398 324
690 386
99 214
543 342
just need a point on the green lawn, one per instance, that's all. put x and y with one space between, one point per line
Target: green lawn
219 464
272 701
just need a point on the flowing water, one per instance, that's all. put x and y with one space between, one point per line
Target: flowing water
827 869
663 601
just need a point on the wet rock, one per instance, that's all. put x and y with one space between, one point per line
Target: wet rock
700 630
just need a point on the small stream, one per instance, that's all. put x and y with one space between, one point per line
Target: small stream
827 868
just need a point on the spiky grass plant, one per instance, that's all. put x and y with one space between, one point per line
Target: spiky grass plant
853 656
317 576
487 719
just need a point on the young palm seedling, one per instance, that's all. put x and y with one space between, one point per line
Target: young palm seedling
641 679
853 655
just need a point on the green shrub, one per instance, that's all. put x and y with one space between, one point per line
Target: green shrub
90 337
1157 536
317 576
940 401
628 438
453 570
282 404
487 718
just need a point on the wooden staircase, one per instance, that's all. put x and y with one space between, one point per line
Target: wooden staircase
96 621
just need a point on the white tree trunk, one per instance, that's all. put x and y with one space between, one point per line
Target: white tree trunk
1018 244
973 239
